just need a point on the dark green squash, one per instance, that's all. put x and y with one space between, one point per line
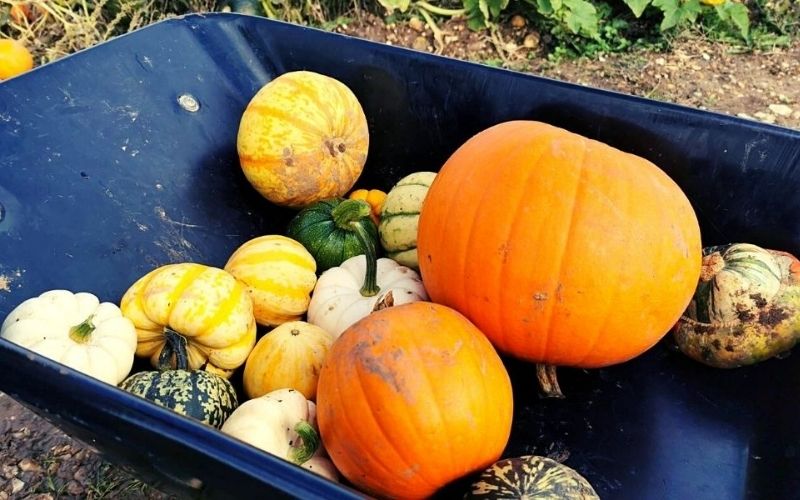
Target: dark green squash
195 393
531 476
328 230
746 308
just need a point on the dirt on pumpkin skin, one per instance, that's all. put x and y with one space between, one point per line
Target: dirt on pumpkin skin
39 461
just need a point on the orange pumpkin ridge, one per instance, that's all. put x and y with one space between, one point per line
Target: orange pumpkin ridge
565 250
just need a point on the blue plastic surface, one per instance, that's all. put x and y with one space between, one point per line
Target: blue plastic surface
103 176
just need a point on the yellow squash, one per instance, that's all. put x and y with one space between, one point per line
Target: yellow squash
303 138
290 356
279 274
203 306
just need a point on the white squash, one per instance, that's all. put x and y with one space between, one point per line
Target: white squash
76 330
283 423
339 299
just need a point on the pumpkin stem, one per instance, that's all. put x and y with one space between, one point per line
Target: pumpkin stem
310 443
175 346
350 215
83 332
548 382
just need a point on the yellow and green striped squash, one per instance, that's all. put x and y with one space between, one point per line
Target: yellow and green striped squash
279 274
204 305
303 138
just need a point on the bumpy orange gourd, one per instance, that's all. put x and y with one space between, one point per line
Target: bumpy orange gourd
565 251
375 198
411 398
303 138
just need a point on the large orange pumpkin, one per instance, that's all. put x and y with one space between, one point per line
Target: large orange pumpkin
412 397
303 138
561 249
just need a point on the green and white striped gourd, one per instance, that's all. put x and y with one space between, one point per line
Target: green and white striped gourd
746 308
400 217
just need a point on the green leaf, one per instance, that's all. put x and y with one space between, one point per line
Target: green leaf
670 9
545 8
475 18
582 18
736 13
496 6
637 6
677 13
690 10
484 8
391 5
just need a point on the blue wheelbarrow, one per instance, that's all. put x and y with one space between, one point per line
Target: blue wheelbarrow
98 143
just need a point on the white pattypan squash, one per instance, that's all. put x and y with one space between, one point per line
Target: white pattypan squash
345 294
283 423
76 330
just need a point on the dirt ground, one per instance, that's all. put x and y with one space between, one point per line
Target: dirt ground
762 86
38 461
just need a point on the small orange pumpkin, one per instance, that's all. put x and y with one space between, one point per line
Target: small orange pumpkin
375 199
15 59
566 251
411 398
303 138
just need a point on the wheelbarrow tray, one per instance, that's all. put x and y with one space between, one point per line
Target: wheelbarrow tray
104 175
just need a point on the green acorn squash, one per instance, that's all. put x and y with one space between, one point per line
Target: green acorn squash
328 230
195 393
531 476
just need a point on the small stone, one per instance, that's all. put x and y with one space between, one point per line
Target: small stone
420 43
531 41
780 109
80 474
16 486
10 471
416 24
26 465
796 115
3 495
75 489
744 115
706 57
661 61
518 22
784 99
765 117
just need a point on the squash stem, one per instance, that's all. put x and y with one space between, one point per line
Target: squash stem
370 287
302 452
82 333
548 382
350 215
175 346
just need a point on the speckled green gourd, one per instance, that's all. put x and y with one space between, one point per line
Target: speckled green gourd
746 308
531 476
326 230
195 393
400 217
